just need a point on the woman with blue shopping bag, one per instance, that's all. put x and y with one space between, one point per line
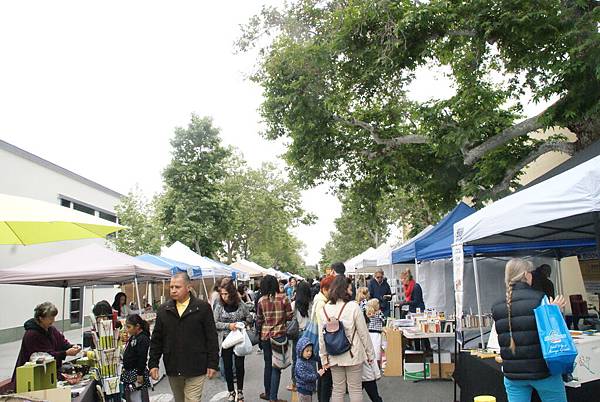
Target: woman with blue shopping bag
523 362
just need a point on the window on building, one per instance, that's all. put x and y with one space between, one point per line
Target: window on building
84 208
76 305
108 217
65 203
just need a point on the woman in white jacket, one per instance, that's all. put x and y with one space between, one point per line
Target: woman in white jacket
346 369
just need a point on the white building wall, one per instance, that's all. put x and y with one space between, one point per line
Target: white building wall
23 177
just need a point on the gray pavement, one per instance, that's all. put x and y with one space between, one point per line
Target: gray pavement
392 389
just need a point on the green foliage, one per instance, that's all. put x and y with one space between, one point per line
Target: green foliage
193 208
143 232
336 77
264 208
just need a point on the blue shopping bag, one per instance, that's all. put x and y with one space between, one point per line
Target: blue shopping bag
557 345
312 333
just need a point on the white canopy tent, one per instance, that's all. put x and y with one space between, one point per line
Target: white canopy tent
84 266
560 213
365 259
252 271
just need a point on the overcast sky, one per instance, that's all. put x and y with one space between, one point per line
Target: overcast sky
97 87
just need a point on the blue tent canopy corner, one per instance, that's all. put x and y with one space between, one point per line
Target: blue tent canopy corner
438 240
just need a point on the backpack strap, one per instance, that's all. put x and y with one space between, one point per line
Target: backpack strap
341 311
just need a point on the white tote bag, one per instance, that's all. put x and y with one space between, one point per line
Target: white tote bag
371 372
243 348
233 339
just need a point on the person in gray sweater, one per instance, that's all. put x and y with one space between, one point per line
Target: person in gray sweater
228 311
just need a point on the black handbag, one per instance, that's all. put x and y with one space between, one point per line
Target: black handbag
293 328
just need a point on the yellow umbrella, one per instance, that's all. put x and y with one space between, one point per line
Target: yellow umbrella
27 221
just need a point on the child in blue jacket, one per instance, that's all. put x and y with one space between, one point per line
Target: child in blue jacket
306 370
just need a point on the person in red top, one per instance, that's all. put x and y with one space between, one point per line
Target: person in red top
42 336
274 312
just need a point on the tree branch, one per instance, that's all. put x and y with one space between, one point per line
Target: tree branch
387 142
560 146
526 126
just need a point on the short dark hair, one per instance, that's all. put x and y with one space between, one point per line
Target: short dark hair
269 286
184 276
339 268
339 290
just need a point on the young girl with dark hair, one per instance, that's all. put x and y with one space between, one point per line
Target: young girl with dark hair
135 377
229 311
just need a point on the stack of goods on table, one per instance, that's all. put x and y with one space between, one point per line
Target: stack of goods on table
105 358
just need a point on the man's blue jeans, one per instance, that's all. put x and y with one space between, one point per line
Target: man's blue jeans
272 375
551 389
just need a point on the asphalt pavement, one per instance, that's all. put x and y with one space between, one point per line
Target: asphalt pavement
391 389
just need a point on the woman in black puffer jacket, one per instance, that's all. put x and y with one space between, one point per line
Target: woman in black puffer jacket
523 365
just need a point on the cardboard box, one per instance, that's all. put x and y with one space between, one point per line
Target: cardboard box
393 353
447 370
50 395
414 371
445 354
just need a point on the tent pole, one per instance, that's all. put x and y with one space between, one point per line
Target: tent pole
416 271
137 292
205 291
82 312
478 300
93 296
560 277
63 308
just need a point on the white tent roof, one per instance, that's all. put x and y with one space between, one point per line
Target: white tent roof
365 259
250 270
562 207
88 265
180 252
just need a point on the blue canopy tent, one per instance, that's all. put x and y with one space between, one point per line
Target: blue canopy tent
439 234
193 272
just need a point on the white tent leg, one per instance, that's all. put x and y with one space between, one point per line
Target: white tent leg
82 312
416 271
478 300
137 292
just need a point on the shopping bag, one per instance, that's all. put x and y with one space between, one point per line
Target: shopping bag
281 352
243 348
370 371
558 347
233 339
312 333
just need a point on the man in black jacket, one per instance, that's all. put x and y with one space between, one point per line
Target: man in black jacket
186 337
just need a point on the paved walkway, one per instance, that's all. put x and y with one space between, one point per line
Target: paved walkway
392 389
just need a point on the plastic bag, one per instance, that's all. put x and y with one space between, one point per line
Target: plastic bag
558 347
370 372
233 339
243 348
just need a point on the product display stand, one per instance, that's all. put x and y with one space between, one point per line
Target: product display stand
107 356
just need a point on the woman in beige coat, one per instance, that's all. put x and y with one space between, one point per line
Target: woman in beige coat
346 369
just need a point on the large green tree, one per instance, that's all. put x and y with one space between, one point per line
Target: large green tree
143 233
337 77
193 208
265 206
